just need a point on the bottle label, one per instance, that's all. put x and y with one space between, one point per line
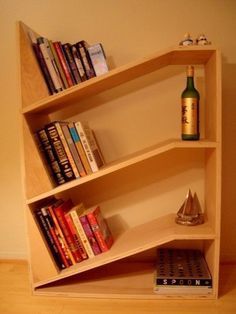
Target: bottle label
189 116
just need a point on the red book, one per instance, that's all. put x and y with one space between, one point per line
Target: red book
100 228
64 64
60 212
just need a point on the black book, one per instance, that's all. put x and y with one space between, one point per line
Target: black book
43 68
78 62
62 158
44 227
71 63
85 58
49 155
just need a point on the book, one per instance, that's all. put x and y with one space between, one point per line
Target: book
74 153
82 49
90 146
78 63
54 233
41 62
44 228
89 233
75 213
76 236
64 63
100 228
79 147
49 156
67 253
98 59
50 63
181 268
60 152
60 212
59 66
71 62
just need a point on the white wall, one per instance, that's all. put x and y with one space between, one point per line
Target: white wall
128 29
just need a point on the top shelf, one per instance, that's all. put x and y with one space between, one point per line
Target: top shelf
173 56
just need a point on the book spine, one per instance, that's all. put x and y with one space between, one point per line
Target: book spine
98 59
81 232
54 234
79 147
69 257
96 228
71 62
73 150
64 63
184 282
49 239
49 155
44 47
82 48
60 215
66 148
78 63
62 74
94 146
86 145
90 235
76 236
60 151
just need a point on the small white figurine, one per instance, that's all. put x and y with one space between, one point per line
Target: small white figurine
202 40
186 41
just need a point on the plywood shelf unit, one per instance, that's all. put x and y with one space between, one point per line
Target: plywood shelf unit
144 180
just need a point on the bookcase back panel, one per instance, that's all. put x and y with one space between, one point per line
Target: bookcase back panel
135 195
137 114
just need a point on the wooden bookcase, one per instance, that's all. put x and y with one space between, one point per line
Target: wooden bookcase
148 172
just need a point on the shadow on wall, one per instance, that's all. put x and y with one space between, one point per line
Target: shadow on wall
228 239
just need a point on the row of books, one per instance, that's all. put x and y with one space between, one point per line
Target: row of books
65 65
73 233
69 149
182 271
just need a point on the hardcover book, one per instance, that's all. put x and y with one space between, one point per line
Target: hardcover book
60 152
180 268
49 156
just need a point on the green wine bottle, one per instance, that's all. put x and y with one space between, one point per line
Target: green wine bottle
190 108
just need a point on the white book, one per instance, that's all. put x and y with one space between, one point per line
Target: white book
75 213
44 47
90 146
98 59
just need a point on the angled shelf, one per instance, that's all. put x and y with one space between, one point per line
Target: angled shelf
144 180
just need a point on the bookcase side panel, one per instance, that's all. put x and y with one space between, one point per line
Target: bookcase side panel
41 264
36 178
33 86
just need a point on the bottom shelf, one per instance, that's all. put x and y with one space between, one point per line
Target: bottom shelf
133 280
